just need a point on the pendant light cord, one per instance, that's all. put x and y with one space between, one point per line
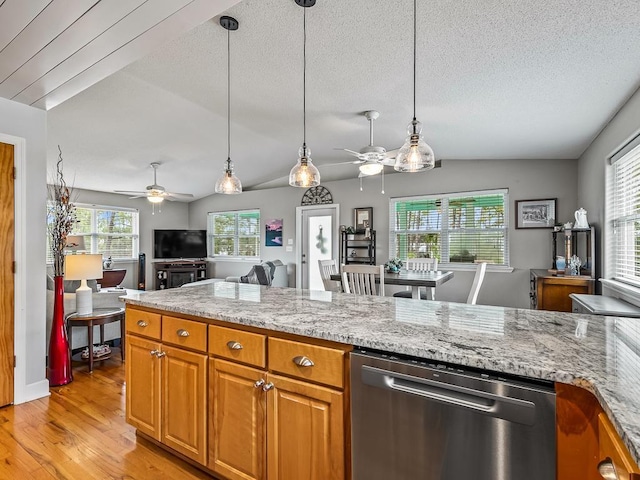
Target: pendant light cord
228 96
304 79
414 59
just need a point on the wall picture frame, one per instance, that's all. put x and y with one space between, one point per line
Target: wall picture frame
363 218
536 213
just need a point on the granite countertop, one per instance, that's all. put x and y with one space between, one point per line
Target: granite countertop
601 354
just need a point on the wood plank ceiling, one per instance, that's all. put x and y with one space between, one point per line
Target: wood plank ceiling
52 49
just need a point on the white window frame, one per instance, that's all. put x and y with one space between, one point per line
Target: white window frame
235 256
444 231
94 234
615 277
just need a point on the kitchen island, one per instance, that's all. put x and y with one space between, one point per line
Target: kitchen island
599 354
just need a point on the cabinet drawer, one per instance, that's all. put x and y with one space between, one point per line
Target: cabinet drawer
613 450
143 323
237 345
184 333
326 364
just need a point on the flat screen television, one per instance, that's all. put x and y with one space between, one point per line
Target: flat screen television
179 243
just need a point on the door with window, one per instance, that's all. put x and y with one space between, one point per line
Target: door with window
317 231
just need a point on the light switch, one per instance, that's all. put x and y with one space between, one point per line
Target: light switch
289 248
290 242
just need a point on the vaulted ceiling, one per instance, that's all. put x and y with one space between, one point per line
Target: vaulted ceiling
142 83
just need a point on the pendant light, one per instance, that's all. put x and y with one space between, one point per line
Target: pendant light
415 155
228 184
304 173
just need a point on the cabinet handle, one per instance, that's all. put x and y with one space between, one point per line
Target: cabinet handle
259 383
267 386
161 354
233 345
303 361
608 470
142 323
182 333
154 352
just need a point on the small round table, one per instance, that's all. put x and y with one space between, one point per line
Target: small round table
99 316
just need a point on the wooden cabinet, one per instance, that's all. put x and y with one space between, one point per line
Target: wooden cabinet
166 395
177 273
305 430
551 292
357 248
612 454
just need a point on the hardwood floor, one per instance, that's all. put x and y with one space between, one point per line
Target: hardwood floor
79 432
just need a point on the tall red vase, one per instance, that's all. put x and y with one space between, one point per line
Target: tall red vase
59 352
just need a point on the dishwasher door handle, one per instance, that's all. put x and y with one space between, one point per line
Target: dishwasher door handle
507 408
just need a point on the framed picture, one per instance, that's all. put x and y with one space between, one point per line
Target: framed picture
536 213
273 233
363 218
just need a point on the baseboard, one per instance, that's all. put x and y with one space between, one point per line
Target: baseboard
32 391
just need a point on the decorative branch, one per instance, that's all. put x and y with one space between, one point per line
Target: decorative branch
61 216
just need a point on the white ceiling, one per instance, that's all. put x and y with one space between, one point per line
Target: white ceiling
498 79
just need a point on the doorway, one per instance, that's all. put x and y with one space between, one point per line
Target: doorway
317 233
7 287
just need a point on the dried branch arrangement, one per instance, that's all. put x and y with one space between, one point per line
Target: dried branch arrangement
61 216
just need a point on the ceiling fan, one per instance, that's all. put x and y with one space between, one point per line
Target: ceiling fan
156 193
373 158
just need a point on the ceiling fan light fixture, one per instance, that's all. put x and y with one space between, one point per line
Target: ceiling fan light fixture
155 198
304 173
228 184
371 168
415 155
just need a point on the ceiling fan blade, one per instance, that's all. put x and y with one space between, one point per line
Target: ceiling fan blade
131 192
350 162
178 195
138 196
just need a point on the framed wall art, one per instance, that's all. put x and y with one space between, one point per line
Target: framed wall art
363 218
536 213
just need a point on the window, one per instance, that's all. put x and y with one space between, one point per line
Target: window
234 234
459 228
111 231
623 213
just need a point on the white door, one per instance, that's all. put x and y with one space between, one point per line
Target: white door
317 233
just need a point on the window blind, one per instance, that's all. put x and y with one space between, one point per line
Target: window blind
235 234
461 228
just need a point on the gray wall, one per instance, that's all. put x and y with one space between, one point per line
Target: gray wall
591 167
525 179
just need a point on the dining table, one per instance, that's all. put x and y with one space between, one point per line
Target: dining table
414 279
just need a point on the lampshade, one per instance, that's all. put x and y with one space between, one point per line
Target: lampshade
369 168
83 267
415 155
304 173
228 184
74 243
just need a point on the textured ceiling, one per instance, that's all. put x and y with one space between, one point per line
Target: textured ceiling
496 79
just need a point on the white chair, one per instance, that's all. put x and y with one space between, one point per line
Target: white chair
477 283
328 268
420 265
361 279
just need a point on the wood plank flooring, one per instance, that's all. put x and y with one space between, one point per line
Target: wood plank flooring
79 432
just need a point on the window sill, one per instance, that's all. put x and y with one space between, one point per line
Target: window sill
467 267
229 258
626 291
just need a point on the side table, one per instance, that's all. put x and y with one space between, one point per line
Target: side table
99 316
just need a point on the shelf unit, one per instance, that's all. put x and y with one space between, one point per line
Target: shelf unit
356 248
580 242
175 273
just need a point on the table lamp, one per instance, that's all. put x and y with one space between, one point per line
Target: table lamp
83 267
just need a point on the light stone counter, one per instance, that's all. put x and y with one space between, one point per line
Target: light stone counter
601 354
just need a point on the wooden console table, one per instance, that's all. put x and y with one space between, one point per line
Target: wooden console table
99 317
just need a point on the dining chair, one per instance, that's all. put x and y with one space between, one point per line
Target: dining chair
420 265
328 268
477 283
361 279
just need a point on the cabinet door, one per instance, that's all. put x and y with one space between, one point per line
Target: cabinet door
237 421
305 431
143 370
184 402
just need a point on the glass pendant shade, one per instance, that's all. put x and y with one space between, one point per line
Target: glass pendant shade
415 155
228 184
369 168
304 173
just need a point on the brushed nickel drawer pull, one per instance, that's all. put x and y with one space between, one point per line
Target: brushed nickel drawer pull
303 361
259 383
161 354
233 345
607 469
182 333
154 352
267 386
142 323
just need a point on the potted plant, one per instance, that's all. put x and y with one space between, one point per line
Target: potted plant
394 265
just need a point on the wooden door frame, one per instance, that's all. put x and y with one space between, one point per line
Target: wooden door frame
299 226
20 395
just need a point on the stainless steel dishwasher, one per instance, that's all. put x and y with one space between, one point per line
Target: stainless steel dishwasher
415 420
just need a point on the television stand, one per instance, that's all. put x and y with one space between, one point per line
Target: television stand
175 273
